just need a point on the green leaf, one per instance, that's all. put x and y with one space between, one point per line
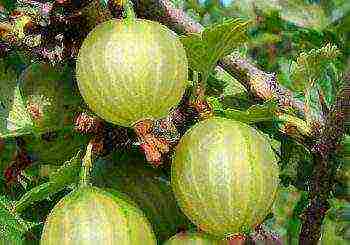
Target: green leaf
232 86
256 113
216 41
64 176
8 149
56 150
8 4
42 88
14 118
12 227
68 172
313 65
313 109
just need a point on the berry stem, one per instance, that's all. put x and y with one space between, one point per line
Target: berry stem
86 165
129 13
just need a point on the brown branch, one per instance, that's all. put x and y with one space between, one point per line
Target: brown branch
259 83
322 180
164 12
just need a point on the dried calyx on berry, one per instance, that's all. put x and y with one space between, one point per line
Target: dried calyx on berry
86 124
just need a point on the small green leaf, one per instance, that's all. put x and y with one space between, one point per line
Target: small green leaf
205 49
64 176
68 172
232 86
256 113
313 66
14 118
12 227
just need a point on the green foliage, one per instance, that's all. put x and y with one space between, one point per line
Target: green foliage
149 188
310 66
222 84
284 220
12 226
63 146
66 175
336 227
205 49
296 164
8 4
34 104
254 114
14 118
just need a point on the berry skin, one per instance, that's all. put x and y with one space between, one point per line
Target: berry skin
225 176
90 215
131 71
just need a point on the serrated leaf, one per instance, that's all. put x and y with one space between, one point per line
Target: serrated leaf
196 51
64 176
313 66
12 227
216 41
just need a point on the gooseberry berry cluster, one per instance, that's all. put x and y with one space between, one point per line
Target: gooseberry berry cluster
224 173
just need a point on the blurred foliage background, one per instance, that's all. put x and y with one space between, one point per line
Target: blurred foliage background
280 31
